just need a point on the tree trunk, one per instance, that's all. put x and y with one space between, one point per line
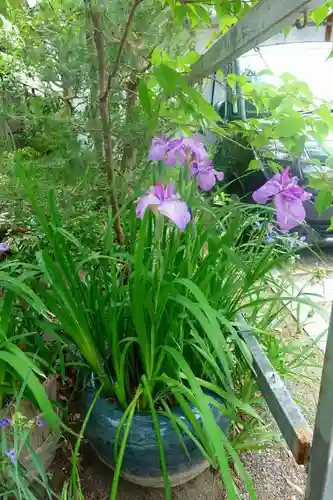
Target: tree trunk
94 125
129 154
104 111
107 142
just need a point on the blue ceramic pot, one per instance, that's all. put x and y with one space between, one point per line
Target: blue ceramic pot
141 463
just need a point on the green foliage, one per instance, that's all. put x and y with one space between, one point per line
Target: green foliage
16 365
147 303
81 192
145 99
323 201
278 114
156 318
320 14
55 54
22 474
282 118
254 165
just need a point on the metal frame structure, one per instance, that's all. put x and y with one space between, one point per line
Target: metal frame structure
268 18
287 414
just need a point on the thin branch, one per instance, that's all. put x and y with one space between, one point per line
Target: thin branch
129 152
99 43
135 4
104 111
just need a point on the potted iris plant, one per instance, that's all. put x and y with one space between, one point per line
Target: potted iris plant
155 320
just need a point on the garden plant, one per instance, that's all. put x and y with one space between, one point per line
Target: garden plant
123 258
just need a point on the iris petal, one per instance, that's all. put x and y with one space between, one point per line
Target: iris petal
287 196
289 213
177 211
146 201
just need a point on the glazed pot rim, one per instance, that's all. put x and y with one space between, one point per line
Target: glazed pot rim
176 410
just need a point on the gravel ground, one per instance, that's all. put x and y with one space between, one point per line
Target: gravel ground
275 475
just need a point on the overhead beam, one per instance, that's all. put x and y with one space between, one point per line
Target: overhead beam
258 25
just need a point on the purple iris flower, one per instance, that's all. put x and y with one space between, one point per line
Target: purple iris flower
4 422
168 150
167 202
207 176
11 455
288 199
4 248
174 151
40 422
194 149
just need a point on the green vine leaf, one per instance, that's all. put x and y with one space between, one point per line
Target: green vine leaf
145 99
254 165
320 14
191 57
324 201
202 105
167 78
289 126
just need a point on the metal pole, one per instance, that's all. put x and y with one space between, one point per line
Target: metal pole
320 477
241 100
